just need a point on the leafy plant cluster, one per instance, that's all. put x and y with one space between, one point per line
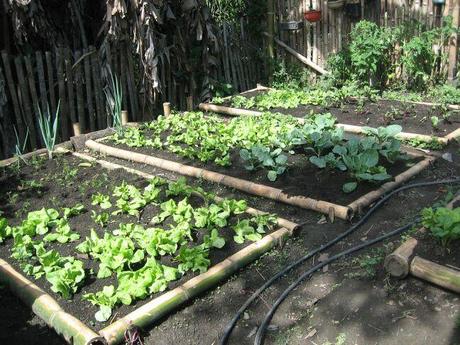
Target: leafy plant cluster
265 142
65 274
392 56
132 252
207 138
443 223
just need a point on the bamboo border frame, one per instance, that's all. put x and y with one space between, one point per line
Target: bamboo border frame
209 107
345 212
342 212
44 306
77 333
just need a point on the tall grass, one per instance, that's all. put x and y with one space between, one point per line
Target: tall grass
48 128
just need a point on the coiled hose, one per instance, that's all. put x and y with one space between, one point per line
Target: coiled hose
259 337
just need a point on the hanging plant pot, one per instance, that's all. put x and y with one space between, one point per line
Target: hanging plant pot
335 4
313 16
439 2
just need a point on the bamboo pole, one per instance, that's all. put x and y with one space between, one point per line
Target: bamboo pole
124 117
453 43
432 272
160 306
291 226
299 56
166 109
46 307
342 212
370 197
398 262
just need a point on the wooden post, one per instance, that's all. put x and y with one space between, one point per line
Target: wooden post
124 117
453 43
76 129
167 109
189 103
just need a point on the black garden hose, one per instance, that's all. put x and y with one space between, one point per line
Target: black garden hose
262 328
232 323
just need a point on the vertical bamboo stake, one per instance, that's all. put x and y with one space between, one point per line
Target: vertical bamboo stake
189 103
98 97
49 68
41 79
24 97
79 89
71 95
89 92
63 109
270 42
14 96
453 44
124 117
166 109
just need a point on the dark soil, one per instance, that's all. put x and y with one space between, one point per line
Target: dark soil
360 305
413 118
301 179
65 184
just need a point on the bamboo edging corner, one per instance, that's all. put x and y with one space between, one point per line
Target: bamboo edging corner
46 307
342 212
171 300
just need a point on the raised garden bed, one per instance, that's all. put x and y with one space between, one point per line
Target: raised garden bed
194 145
51 207
420 120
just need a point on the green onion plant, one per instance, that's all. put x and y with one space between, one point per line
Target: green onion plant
48 128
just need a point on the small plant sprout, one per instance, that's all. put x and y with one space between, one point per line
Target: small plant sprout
114 97
48 128
20 148
435 122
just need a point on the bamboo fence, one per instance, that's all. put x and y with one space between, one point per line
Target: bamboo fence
316 41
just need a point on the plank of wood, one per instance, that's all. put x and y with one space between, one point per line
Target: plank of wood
132 86
31 82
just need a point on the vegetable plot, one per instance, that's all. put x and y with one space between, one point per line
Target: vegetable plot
266 142
142 257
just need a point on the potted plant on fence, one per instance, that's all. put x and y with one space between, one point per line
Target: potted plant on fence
312 15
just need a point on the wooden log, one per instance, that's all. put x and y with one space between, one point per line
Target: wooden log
227 110
432 272
398 262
